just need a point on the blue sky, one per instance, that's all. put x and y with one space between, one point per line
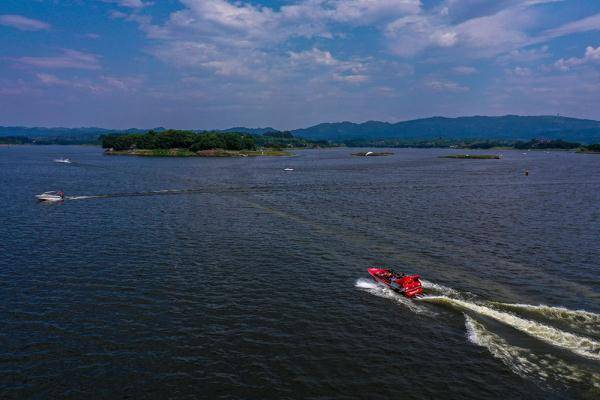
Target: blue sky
288 64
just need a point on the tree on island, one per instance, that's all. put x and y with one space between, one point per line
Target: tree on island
175 139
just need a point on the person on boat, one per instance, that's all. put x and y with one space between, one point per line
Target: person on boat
389 274
393 275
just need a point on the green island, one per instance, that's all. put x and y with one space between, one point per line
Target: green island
590 149
177 143
473 156
240 142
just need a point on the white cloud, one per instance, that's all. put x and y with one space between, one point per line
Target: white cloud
68 59
235 27
349 71
480 36
478 28
356 78
525 55
548 91
23 23
128 3
519 71
591 23
50 80
103 84
446 86
314 56
592 55
367 11
465 70
445 39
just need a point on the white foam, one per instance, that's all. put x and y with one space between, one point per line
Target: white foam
379 290
79 197
439 288
523 362
587 321
580 345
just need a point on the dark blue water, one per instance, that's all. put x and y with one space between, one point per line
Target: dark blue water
247 281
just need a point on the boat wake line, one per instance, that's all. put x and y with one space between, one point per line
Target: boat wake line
581 339
165 192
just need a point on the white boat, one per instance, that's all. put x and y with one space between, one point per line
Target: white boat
288 169
63 160
51 196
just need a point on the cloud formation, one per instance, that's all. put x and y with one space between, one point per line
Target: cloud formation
23 23
592 55
68 59
128 3
214 63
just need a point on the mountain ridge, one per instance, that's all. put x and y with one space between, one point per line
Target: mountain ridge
510 127
483 127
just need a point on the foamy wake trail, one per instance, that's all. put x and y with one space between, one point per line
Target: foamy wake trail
79 197
439 288
586 321
526 364
580 345
376 289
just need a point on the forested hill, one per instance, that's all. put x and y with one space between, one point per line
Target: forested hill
508 127
251 131
39 132
505 127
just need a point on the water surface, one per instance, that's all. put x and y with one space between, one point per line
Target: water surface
231 278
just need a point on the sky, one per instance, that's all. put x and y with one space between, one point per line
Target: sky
204 64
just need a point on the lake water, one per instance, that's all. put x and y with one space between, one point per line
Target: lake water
247 281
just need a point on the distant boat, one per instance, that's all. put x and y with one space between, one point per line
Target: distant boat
288 169
51 196
62 161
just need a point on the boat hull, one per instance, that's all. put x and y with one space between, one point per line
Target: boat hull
409 285
48 198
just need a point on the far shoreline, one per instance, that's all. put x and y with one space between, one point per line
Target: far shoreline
178 152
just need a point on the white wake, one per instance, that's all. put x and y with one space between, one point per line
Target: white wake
586 321
525 363
374 288
577 344
542 367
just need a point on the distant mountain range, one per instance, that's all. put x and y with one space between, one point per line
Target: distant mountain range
66 132
252 131
508 127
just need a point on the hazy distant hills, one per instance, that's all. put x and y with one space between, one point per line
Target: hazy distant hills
252 131
509 127
63 132
505 127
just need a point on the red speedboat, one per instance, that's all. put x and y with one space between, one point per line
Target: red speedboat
409 285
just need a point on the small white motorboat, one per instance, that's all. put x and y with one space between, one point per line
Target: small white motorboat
51 196
288 169
63 160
